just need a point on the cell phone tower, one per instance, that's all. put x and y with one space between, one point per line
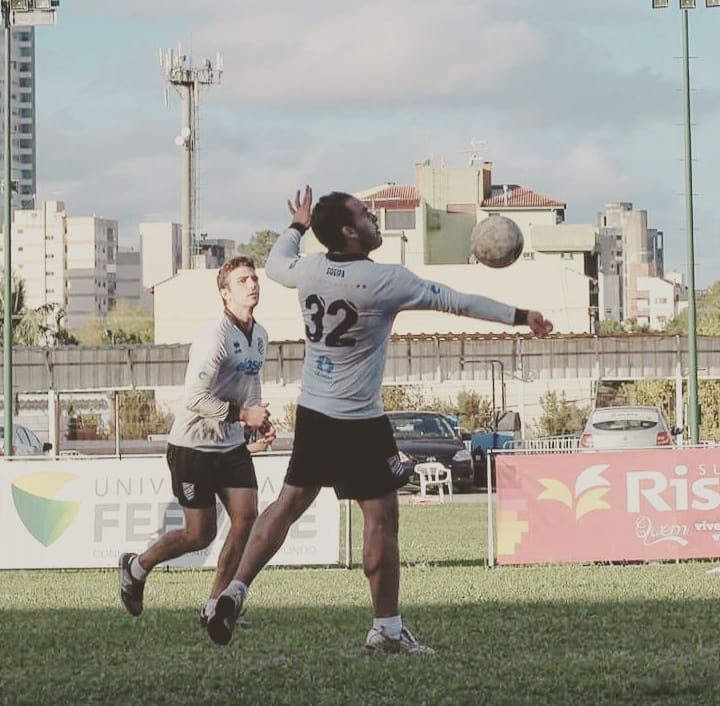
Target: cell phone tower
187 80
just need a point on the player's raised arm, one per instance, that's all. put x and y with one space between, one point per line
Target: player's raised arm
284 256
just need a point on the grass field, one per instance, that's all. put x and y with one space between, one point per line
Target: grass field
536 635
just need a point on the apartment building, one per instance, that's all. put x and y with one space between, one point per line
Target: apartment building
629 252
65 260
22 118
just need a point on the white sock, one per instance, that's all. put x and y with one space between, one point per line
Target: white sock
137 571
237 587
392 627
210 606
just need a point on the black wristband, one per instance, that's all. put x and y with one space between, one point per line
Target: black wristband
233 414
299 227
521 317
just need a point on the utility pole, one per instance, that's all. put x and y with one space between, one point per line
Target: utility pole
187 80
25 13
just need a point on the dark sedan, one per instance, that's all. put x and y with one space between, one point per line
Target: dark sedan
428 436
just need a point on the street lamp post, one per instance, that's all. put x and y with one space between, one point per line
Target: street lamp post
693 406
26 13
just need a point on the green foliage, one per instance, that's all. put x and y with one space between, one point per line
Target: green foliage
124 323
560 416
707 311
658 393
610 327
140 415
259 246
472 410
287 421
404 397
33 327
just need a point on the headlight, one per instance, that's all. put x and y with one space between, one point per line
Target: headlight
404 458
462 455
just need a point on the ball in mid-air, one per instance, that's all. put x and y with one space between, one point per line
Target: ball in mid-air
497 241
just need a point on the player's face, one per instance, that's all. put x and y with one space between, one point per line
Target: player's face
242 289
365 224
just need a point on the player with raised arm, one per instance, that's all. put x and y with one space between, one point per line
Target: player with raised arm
343 438
207 452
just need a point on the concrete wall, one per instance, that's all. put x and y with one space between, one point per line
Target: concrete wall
188 302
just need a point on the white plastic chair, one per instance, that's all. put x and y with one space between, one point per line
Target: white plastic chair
433 473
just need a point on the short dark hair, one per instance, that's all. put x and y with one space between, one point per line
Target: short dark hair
329 216
229 266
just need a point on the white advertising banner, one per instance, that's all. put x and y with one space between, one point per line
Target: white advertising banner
84 513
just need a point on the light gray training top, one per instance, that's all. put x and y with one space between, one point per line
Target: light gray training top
349 306
224 367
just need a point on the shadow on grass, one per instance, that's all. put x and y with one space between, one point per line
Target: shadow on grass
649 652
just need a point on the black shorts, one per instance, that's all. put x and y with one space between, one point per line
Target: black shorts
197 476
357 457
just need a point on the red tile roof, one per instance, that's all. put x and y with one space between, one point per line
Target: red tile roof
519 197
393 197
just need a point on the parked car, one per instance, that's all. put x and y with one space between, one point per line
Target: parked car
627 428
428 436
25 443
481 443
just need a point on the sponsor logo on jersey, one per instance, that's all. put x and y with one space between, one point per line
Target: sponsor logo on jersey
261 346
249 366
324 367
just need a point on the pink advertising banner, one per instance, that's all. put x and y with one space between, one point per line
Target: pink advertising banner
611 506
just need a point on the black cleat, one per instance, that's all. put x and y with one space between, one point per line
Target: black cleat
131 590
221 624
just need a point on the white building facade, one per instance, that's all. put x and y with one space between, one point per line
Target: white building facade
63 260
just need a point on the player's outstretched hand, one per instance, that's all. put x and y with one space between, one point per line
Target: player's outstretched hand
255 416
539 325
301 209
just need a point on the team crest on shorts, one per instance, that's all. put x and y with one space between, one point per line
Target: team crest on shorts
396 466
188 490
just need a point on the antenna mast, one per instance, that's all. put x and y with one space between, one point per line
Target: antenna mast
474 152
187 80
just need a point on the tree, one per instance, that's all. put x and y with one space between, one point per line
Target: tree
560 416
707 310
33 327
140 415
259 246
124 323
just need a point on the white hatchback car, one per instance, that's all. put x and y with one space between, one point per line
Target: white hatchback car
627 428
25 443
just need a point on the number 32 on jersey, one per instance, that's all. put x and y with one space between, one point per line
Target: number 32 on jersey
340 309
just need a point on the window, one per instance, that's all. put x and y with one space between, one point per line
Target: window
400 220
528 256
661 300
567 256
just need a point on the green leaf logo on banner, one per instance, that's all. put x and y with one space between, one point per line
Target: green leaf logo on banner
43 516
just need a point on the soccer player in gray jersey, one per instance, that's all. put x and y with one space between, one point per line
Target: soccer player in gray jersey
207 452
342 437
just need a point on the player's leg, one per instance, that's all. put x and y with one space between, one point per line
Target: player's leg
236 486
196 496
241 505
199 531
372 475
381 554
267 536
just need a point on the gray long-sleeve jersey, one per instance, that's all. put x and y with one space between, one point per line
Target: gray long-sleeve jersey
224 367
349 306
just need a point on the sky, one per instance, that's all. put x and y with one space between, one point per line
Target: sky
580 100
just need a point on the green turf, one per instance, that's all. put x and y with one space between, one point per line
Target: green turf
643 634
